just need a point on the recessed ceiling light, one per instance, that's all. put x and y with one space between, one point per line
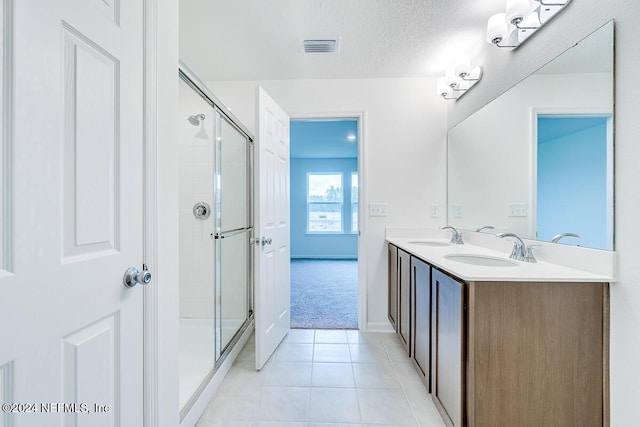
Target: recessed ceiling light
351 137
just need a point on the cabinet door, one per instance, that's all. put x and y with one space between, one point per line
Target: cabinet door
448 392
392 307
421 319
404 299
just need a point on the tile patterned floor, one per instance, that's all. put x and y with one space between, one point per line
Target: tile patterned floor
323 378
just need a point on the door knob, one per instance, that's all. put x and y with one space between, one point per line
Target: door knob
260 242
133 276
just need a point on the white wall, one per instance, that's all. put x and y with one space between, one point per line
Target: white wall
503 68
404 162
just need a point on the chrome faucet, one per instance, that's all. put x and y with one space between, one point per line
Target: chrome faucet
484 227
521 251
456 237
557 237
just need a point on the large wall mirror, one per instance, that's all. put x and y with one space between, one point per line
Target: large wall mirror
538 160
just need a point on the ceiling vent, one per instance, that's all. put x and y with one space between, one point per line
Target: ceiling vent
321 45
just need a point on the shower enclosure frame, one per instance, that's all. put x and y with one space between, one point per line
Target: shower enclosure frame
222 351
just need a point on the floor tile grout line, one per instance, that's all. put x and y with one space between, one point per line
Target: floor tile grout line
390 357
308 416
405 394
402 388
357 392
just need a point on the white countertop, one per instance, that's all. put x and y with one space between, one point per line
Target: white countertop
540 271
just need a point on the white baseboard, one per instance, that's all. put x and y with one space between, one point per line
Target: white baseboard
379 327
200 405
347 257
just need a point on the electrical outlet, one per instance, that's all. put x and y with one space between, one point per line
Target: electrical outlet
377 209
458 211
435 210
517 210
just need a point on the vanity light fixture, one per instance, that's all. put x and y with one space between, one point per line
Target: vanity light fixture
459 79
521 19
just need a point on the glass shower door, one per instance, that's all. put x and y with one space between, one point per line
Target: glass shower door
233 230
215 256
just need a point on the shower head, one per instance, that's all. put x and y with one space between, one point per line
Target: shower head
195 120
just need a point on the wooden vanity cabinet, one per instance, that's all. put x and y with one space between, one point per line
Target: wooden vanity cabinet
537 354
421 319
404 299
392 297
504 354
448 347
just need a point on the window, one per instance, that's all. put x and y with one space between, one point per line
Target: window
324 203
354 202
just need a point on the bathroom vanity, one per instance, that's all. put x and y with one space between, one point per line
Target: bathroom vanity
500 342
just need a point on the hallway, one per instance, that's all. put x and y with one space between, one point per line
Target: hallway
324 378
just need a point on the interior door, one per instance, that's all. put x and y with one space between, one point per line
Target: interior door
272 284
71 350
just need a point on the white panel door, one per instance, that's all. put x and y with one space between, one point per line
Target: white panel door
272 281
72 212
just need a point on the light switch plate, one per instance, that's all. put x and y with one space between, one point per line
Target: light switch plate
377 209
458 211
517 210
435 210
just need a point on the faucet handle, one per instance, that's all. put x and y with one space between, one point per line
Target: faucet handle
528 253
518 252
456 237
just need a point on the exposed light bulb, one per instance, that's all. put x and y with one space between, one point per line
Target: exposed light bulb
463 66
521 20
442 88
475 74
453 86
497 28
452 78
517 10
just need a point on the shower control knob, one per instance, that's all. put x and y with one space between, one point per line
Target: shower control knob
201 210
266 241
133 276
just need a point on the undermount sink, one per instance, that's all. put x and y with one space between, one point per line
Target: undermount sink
483 260
429 242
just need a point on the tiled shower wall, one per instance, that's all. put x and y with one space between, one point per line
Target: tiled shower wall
196 185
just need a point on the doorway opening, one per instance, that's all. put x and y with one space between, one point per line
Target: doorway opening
573 188
324 223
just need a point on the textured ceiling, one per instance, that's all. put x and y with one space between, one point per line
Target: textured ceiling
260 39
